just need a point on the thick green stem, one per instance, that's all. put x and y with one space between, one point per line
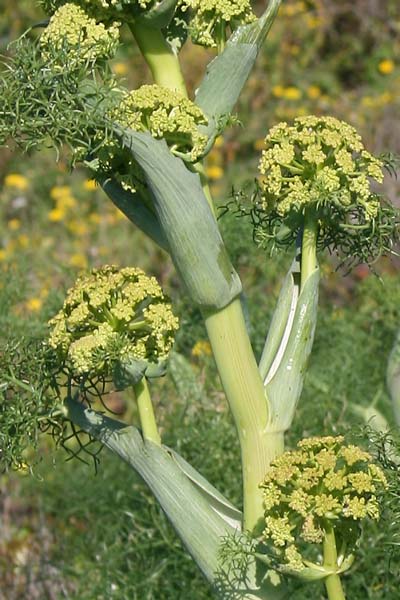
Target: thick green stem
226 328
146 413
309 246
332 582
245 393
164 64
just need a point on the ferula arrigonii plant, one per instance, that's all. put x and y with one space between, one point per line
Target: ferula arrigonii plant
145 149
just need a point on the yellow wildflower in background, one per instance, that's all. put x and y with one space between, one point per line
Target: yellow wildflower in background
34 304
386 66
214 172
94 218
78 260
56 214
278 91
23 240
17 181
60 191
292 93
120 68
313 92
201 348
90 185
14 224
78 227
66 202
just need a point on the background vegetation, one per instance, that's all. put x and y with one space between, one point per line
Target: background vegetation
67 532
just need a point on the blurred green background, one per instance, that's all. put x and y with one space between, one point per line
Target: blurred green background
67 532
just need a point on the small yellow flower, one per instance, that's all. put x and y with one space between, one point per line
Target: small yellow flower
94 218
120 68
56 214
14 224
214 172
89 184
64 202
278 91
313 92
386 66
313 22
60 191
3 254
23 240
34 304
78 260
292 93
219 142
201 348
17 181
77 227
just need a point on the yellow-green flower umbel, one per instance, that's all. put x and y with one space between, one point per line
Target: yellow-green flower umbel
322 488
211 18
165 114
114 320
316 161
104 10
318 171
71 29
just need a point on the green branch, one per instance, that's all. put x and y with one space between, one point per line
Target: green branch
332 582
245 393
163 63
146 413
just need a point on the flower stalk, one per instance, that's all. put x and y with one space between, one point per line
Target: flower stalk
332 582
163 63
146 412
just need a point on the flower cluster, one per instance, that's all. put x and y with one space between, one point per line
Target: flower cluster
318 168
165 114
316 161
104 10
70 28
110 318
211 18
322 484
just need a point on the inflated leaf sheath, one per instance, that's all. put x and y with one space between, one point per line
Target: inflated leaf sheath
195 243
285 386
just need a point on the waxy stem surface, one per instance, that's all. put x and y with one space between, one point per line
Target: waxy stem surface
146 413
332 582
245 393
163 63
